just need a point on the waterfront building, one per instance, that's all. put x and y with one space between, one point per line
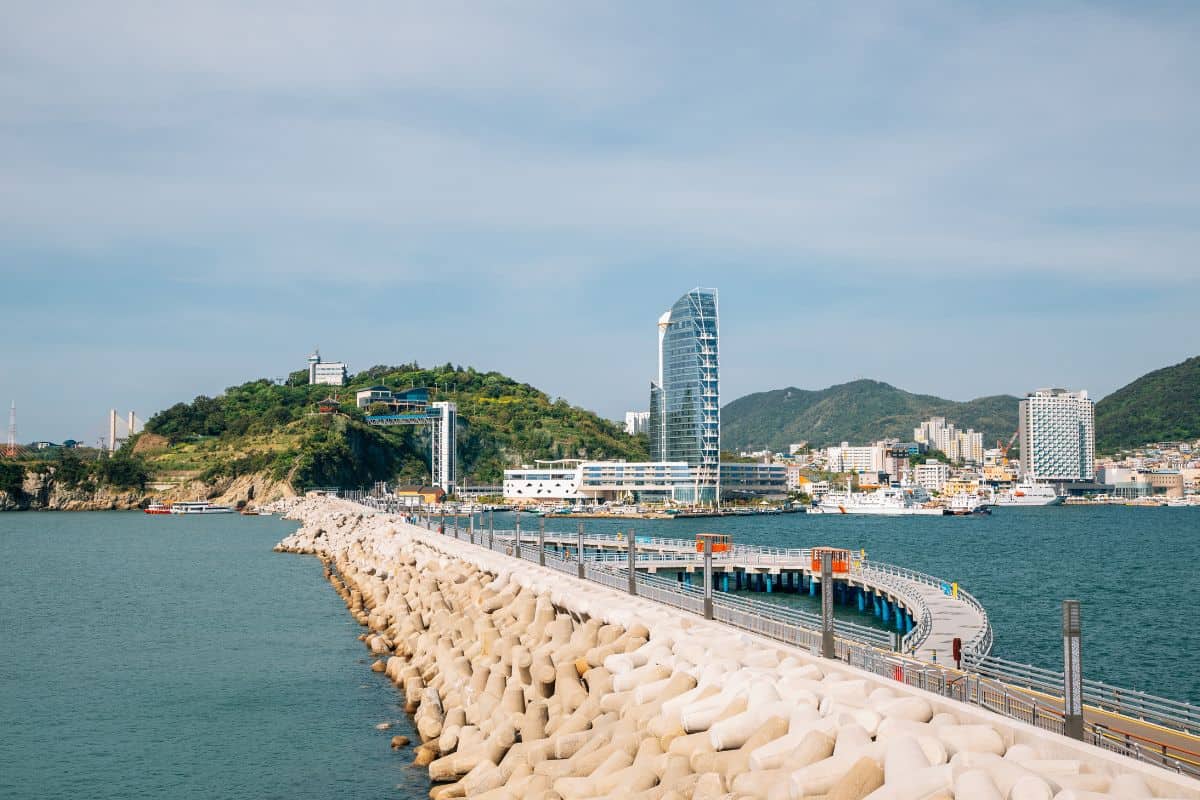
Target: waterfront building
637 422
932 475
685 410
332 373
419 495
749 480
659 482
1058 436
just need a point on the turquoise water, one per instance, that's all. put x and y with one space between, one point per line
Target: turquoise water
179 657
1136 572
174 657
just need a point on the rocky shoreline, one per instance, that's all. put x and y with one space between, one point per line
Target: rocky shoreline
526 683
41 492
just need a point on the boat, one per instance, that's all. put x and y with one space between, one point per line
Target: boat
158 508
884 501
200 507
1029 494
964 504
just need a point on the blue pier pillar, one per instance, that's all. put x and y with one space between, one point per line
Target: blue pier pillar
878 608
862 600
900 615
761 583
908 624
812 587
687 579
768 581
679 577
887 611
725 582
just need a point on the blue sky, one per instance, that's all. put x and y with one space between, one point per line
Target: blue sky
958 199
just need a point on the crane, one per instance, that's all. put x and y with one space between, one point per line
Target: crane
1004 448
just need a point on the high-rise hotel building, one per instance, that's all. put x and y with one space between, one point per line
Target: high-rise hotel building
1058 436
685 400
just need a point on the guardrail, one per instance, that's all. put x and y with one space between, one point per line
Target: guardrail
1096 694
1013 690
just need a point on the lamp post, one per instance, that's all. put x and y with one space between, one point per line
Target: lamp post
827 648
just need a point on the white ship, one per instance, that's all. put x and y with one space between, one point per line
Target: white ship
965 503
1029 494
885 501
200 507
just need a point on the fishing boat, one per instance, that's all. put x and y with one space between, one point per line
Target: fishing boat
200 507
158 508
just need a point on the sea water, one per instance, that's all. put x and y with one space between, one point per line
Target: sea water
178 657
151 656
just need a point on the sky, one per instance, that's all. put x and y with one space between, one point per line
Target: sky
960 199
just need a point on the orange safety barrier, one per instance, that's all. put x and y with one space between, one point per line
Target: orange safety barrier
721 542
841 559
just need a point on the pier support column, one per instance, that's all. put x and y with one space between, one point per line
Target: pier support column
887 611
1072 670
827 644
632 562
542 541
725 582
878 606
708 578
862 600
812 586
767 580
900 615
579 548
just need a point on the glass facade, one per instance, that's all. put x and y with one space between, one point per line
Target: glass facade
685 408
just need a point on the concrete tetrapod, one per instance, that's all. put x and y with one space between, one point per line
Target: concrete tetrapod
528 683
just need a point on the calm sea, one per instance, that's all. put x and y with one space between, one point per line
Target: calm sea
172 657
179 657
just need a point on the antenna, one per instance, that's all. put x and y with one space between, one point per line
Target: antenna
11 451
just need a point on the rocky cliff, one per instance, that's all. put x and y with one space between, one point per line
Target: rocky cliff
42 492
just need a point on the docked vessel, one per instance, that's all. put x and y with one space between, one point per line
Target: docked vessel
964 504
1029 494
884 501
158 508
200 507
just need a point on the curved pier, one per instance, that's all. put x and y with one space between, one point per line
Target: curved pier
927 611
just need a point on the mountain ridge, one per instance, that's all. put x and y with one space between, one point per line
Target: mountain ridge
857 411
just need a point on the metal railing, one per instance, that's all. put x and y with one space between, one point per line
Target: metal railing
1017 691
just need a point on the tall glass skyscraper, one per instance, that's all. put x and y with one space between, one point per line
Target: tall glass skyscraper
685 402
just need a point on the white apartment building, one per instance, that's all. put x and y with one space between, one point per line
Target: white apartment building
1058 436
845 458
932 475
637 422
957 445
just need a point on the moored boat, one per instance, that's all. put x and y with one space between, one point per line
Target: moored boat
200 507
892 501
1029 494
158 508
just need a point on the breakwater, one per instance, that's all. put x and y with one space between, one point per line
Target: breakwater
529 683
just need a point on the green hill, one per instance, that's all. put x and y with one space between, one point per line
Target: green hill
262 427
858 412
1160 406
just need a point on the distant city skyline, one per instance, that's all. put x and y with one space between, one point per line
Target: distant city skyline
960 200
